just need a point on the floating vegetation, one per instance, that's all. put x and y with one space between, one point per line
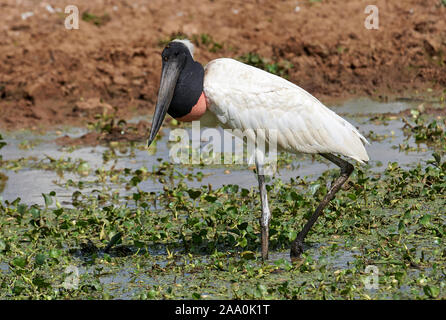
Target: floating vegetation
207 239
107 233
425 129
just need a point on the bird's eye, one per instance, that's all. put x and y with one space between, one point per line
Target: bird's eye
165 58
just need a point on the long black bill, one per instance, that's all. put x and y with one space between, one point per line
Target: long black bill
169 77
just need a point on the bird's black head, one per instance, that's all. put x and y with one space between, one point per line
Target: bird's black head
181 84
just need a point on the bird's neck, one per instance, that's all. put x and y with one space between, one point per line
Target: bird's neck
197 110
188 91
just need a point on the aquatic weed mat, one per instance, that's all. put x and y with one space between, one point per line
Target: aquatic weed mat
382 237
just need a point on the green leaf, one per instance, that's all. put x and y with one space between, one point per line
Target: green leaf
283 264
3 245
48 199
19 262
243 242
210 199
248 255
151 294
261 290
21 208
194 194
35 212
83 169
437 158
431 291
425 220
242 226
292 235
137 196
40 259
40 282
54 253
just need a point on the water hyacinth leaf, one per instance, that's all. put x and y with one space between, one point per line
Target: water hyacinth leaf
137 196
261 290
248 255
135 181
3 245
21 208
194 194
16 202
292 234
151 294
210 199
40 282
48 200
114 240
19 262
283 263
83 169
425 220
18 287
437 158
243 242
295 196
352 196
35 212
242 226
431 291
58 212
40 259
55 253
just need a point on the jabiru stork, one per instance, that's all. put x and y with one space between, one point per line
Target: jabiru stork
235 95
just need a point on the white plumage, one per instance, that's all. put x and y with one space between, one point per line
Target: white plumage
244 97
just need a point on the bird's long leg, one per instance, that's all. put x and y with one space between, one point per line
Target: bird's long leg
346 170
266 215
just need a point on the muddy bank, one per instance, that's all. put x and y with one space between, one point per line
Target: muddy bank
50 76
110 131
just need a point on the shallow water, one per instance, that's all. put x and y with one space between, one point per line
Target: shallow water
367 106
29 184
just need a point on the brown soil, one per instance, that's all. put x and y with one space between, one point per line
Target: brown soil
51 76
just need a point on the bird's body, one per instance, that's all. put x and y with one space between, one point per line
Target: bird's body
244 97
234 95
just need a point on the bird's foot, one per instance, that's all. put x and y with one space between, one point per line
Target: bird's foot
297 248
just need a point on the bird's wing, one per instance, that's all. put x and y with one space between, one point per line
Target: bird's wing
243 97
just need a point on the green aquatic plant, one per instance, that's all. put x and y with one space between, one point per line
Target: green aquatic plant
426 130
146 232
206 238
